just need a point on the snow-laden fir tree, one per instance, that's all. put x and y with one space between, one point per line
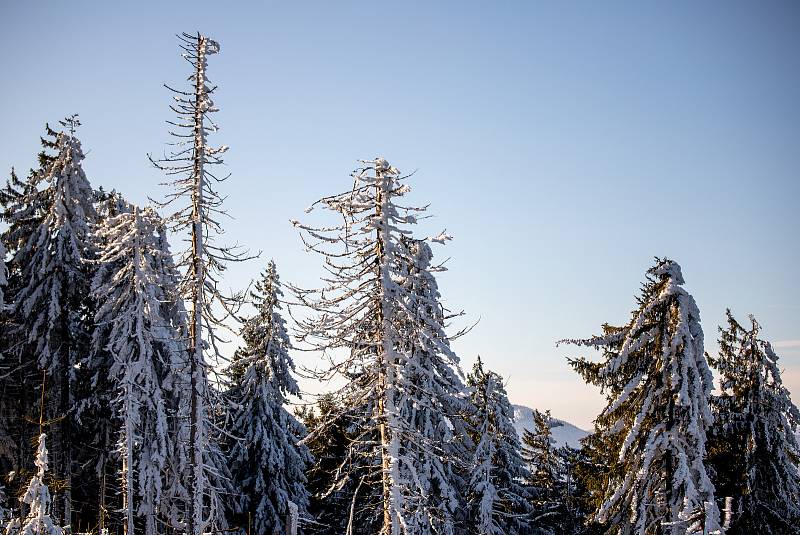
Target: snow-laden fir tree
541 459
657 382
50 306
37 500
755 451
128 290
189 164
24 205
498 502
379 322
267 464
174 383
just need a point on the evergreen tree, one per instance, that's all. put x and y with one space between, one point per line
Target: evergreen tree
574 494
205 479
50 306
24 205
400 374
331 495
754 448
37 499
592 475
267 464
498 502
657 382
541 458
128 291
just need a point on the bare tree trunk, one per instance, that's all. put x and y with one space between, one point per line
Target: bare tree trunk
195 349
384 432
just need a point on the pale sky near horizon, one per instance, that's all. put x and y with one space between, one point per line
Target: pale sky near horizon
563 144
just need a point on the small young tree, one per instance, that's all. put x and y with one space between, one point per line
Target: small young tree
37 500
657 382
131 329
191 163
267 464
498 502
754 449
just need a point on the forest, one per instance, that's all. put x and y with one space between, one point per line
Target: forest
120 414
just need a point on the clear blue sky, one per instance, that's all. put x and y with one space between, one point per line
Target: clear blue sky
564 144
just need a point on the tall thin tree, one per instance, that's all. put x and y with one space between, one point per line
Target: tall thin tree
190 162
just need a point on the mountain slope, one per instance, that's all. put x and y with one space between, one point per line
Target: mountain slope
563 432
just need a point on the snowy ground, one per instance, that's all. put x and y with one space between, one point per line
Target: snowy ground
563 432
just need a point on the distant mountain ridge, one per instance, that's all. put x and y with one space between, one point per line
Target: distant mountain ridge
563 431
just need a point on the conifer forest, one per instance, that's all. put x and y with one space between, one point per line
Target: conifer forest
121 413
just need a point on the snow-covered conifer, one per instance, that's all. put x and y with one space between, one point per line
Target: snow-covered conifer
50 305
267 464
37 499
130 328
380 306
190 163
24 205
498 502
657 382
755 453
540 455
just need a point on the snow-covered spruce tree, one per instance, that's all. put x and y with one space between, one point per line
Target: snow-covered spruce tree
657 382
379 322
24 205
267 464
541 458
130 328
51 305
37 499
498 502
175 381
190 163
753 448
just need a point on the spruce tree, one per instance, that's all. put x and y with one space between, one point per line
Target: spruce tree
128 290
657 383
50 305
541 458
24 205
379 320
754 448
267 464
497 500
